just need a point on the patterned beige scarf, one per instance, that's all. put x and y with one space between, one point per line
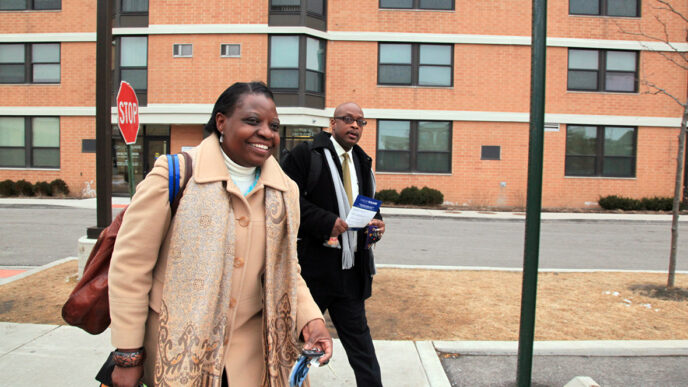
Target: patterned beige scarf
195 300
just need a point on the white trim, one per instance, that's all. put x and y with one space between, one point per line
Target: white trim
362 36
49 37
47 111
199 113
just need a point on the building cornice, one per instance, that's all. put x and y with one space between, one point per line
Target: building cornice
197 114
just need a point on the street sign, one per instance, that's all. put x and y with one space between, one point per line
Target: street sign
127 112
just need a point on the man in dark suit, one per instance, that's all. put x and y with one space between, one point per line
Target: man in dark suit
338 284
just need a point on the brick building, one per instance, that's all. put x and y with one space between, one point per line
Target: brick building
444 85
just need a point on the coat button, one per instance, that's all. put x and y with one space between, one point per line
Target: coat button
232 302
238 262
243 221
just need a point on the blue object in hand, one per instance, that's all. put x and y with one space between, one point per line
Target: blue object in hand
300 369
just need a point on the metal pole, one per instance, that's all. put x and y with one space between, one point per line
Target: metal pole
130 167
534 199
103 120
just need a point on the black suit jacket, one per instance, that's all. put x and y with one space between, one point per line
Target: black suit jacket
321 266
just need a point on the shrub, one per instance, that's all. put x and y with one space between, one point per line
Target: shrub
431 196
43 188
24 188
410 195
8 188
614 202
388 195
58 186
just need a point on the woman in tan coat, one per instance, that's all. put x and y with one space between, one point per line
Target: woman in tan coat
214 294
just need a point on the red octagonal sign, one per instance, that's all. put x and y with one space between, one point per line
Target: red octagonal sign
127 112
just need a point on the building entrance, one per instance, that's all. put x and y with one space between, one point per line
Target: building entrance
152 142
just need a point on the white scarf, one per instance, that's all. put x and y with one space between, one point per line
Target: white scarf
348 237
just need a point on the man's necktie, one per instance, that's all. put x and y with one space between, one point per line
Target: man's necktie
346 176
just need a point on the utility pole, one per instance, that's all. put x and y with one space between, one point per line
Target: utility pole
534 199
103 118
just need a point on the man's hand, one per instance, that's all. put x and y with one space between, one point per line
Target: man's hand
379 224
315 335
340 227
127 377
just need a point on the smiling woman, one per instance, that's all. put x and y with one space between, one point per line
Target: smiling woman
232 294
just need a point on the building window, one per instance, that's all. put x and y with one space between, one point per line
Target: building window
133 65
32 142
134 6
417 4
288 66
182 50
230 50
30 63
603 70
415 64
607 151
36 5
490 152
413 146
306 13
623 8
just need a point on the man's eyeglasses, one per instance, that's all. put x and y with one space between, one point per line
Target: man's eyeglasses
349 120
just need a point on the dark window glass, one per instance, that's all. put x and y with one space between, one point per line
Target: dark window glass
602 70
490 152
417 4
134 62
316 6
285 5
415 64
627 8
408 146
47 4
396 3
11 5
607 151
46 63
134 6
30 142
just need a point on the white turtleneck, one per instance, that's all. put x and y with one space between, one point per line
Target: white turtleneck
243 177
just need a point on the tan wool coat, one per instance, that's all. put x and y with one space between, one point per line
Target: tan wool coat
137 271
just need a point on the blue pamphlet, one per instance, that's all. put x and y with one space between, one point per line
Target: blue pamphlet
362 212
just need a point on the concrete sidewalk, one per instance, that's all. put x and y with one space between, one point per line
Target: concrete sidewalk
119 202
49 355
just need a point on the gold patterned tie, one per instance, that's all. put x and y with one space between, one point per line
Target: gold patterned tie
346 176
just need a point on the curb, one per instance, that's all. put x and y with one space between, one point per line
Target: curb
434 372
4 281
596 348
516 269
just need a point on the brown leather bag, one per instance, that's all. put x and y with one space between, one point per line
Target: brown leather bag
88 306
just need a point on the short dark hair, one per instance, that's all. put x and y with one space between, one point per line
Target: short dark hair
227 101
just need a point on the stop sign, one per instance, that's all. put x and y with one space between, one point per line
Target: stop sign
127 112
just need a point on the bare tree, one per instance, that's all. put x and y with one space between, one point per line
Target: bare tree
666 12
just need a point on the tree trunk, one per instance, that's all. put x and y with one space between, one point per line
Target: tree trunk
677 197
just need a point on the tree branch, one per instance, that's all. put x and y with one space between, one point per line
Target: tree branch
670 8
660 90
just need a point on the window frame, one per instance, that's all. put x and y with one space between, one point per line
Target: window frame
416 5
180 54
599 156
29 63
222 45
603 6
416 65
413 148
29 147
30 5
602 70
301 66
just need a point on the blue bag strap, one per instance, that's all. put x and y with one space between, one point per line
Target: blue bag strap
173 177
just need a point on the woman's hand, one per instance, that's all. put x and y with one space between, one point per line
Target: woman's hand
127 377
315 335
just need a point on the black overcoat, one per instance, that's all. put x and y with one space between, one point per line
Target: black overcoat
321 266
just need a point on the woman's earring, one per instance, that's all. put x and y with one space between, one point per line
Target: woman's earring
222 137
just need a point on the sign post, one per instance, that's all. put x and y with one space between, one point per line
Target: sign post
128 122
